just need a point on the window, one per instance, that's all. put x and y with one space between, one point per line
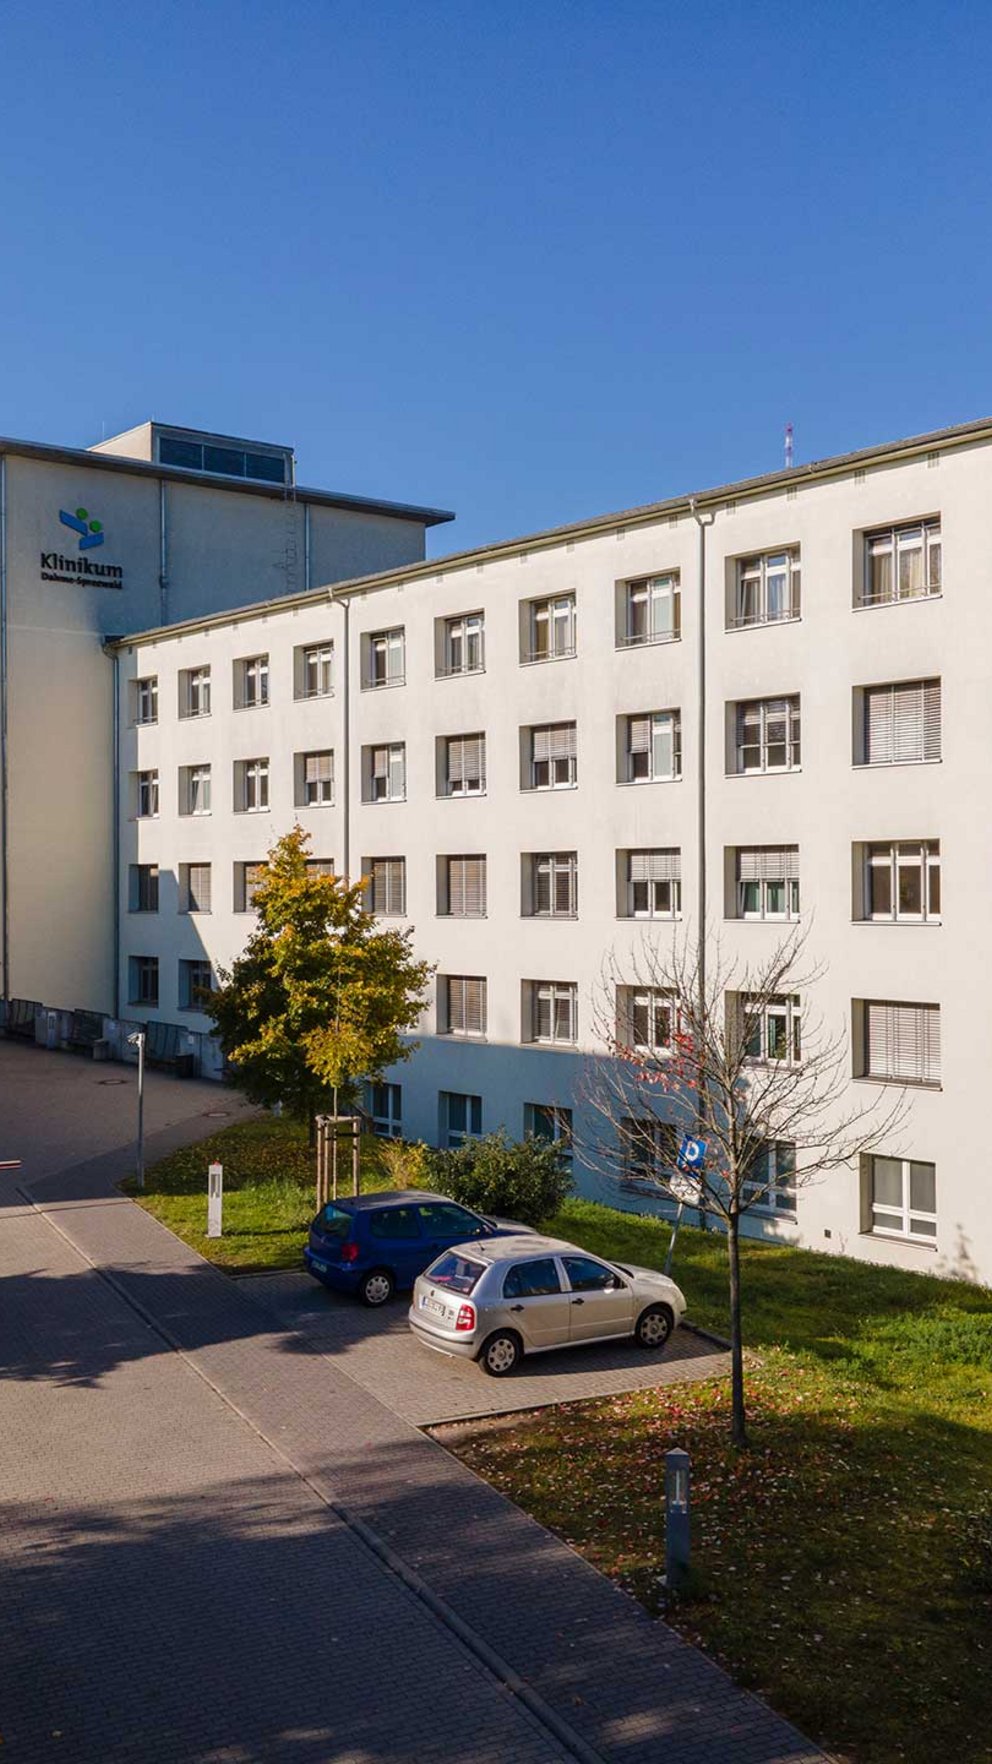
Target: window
194 692
901 1042
463 645
651 884
901 1198
313 670
463 765
772 1028
320 866
394 1223
554 884
386 891
553 763
550 629
194 888
247 877
228 461
385 658
143 981
553 1011
650 610
384 1102
901 723
195 979
768 588
768 735
648 1148
251 786
384 773
646 1018
770 1186
251 682
767 882
652 747
146 804
461 1117
314 779
901 563
194 790
902 881
146 699
585 1275
550 1124
462 887
532 1279
143 889
461 1004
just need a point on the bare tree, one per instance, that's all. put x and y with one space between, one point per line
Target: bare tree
704 1044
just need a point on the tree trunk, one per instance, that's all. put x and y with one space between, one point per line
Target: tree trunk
738 1421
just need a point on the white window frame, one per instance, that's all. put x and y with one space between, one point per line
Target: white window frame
193 893
912 732
471 1128
899 546
386 653
461 893
462 1006
889 1027
649 1148
248 875
387 881
762 904
384 1106
777 1187
317 670
664 731
652 609
147 795
653 1008
195 789
143 981
551 869
560 1000
146 699
389 783
559 772
465 783
194 694
318 791
189 986
654 897
551 628
761 712
253 677
901 1219
893 858
768 588
465 644
779 1023
253 786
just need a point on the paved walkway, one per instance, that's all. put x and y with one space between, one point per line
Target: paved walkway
216 1548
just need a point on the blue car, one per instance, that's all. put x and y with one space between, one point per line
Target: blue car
372 1244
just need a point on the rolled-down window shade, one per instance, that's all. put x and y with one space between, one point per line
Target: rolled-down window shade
318 768
466 758
768 863
467 887
640 734
198 888
466 1004
902 722
554 741
903 1041
655 866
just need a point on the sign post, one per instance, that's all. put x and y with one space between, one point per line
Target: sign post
686 1185
215 1200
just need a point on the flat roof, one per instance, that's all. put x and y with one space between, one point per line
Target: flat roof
834 466
117 462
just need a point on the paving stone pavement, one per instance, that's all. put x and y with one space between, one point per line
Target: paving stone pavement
376 1349
274 1632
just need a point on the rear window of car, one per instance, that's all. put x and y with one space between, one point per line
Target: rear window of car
394 1222
455 1272
331 1221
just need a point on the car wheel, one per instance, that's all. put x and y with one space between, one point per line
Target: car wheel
654 1326
377 1287
500 1353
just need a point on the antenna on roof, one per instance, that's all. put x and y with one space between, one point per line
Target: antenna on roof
788 447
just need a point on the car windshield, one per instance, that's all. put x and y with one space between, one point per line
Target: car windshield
331 1221
456 1272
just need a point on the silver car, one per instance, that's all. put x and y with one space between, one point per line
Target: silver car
502 1298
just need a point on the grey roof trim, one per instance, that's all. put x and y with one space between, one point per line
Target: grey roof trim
115 462
958 436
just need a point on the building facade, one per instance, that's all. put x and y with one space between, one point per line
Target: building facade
149 527
541 760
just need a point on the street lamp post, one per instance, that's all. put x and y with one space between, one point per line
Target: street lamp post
138 1040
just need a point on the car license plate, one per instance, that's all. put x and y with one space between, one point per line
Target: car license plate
321 1267
432 1304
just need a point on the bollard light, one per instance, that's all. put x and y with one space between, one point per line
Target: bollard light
676 1518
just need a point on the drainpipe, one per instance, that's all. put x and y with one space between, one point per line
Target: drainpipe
4 812
346 734
117 836
702 522
306 546
163 557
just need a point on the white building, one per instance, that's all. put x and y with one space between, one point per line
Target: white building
508 742
155 525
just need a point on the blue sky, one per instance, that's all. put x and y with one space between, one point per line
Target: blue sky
530 261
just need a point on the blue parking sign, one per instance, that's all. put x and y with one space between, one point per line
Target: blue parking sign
691 1155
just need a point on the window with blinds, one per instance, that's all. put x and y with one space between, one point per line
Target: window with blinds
385 657
901 723
901 1042
386 886
143 891
652 884
650 611
554 884
194 888
247 877
902 563
384 773
464 887
768 881
195 979
315 775
464 765
461 1004
553 748
653 747
768 735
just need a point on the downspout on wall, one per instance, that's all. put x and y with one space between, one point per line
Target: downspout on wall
703 521
4 755
163 555
345 606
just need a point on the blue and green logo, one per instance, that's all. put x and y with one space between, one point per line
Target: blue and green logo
90 532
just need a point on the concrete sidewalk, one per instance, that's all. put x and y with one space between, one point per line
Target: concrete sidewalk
450 1571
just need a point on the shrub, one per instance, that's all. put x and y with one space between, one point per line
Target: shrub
528 1181
403 1163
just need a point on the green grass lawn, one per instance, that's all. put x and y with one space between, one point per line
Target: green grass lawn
843 1565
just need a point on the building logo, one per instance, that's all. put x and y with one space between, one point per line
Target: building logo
90 532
